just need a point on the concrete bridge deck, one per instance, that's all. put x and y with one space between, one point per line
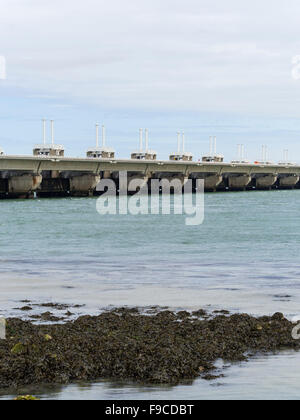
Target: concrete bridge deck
23 175
38 164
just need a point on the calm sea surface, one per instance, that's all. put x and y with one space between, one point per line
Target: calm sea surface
244 258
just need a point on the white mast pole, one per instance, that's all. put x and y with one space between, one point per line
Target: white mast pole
97 136
52 132
183 142
103 136
178 142
146 140
242 152
141 139
44 131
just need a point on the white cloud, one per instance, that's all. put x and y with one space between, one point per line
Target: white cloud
192 54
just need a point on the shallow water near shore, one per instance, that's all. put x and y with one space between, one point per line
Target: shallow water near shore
244 258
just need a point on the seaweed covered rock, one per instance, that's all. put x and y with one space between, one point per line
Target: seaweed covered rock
162 348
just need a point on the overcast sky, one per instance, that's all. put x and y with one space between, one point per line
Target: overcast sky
158 62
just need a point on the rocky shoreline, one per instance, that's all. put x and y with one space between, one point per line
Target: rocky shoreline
158 347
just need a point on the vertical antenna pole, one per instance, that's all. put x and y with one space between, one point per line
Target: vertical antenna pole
183 142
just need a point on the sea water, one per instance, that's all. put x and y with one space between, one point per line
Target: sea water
243 258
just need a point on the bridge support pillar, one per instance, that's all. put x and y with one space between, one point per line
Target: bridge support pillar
265 182
83 185
212 181
23 185
289 181
238 181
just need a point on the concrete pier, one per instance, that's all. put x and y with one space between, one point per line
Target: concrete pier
212 182
239 182
265 181
83 184
288 181
23 185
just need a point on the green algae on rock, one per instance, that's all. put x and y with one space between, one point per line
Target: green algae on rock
26 398
18 349
164 347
